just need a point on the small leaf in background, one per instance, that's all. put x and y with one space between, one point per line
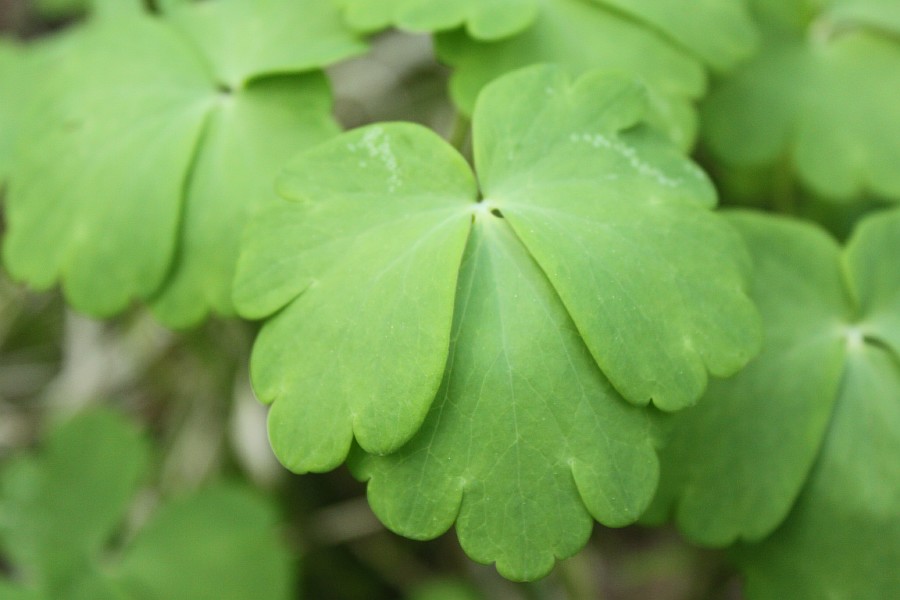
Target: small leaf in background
739 461
484 19
821 94
219 543
146 155
60 508
655 45
445 590
572 259
61 514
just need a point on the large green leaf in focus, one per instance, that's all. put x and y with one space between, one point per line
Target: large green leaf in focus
809 432
60 508
820 95
593 236
484 19
596 34
154 139
372 248
526 442
220 542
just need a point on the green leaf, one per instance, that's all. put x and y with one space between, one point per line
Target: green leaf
765 424
720 32
484 19
246 39
250 137
558 160
59 509
220 542
879 14
60 513
572 263
526 441
842 539
125 142
802 98
10 103
584 34
812 426
374 258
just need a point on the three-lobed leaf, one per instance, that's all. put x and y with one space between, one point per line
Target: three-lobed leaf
571 263
154 139
813 421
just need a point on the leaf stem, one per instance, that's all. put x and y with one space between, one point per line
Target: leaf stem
459 133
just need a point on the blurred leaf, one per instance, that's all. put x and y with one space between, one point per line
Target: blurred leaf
583 34
60 508
484 19
144 151
822 95
60 511
815 416
220 543
765 424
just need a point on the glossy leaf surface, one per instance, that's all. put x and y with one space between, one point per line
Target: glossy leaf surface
571 255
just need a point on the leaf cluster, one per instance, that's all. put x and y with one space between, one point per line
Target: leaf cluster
552 330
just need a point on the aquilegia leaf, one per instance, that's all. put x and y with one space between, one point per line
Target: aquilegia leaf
663 43
592 236
156 137
835 318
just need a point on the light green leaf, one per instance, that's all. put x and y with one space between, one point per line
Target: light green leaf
823 94
246 39
249 138
10 103
720 32
526 441
878 14
59 509
765 424
581 35
525 426
484 19
813 422
131 124
842 539
60 513
617 219
218 543
373 257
